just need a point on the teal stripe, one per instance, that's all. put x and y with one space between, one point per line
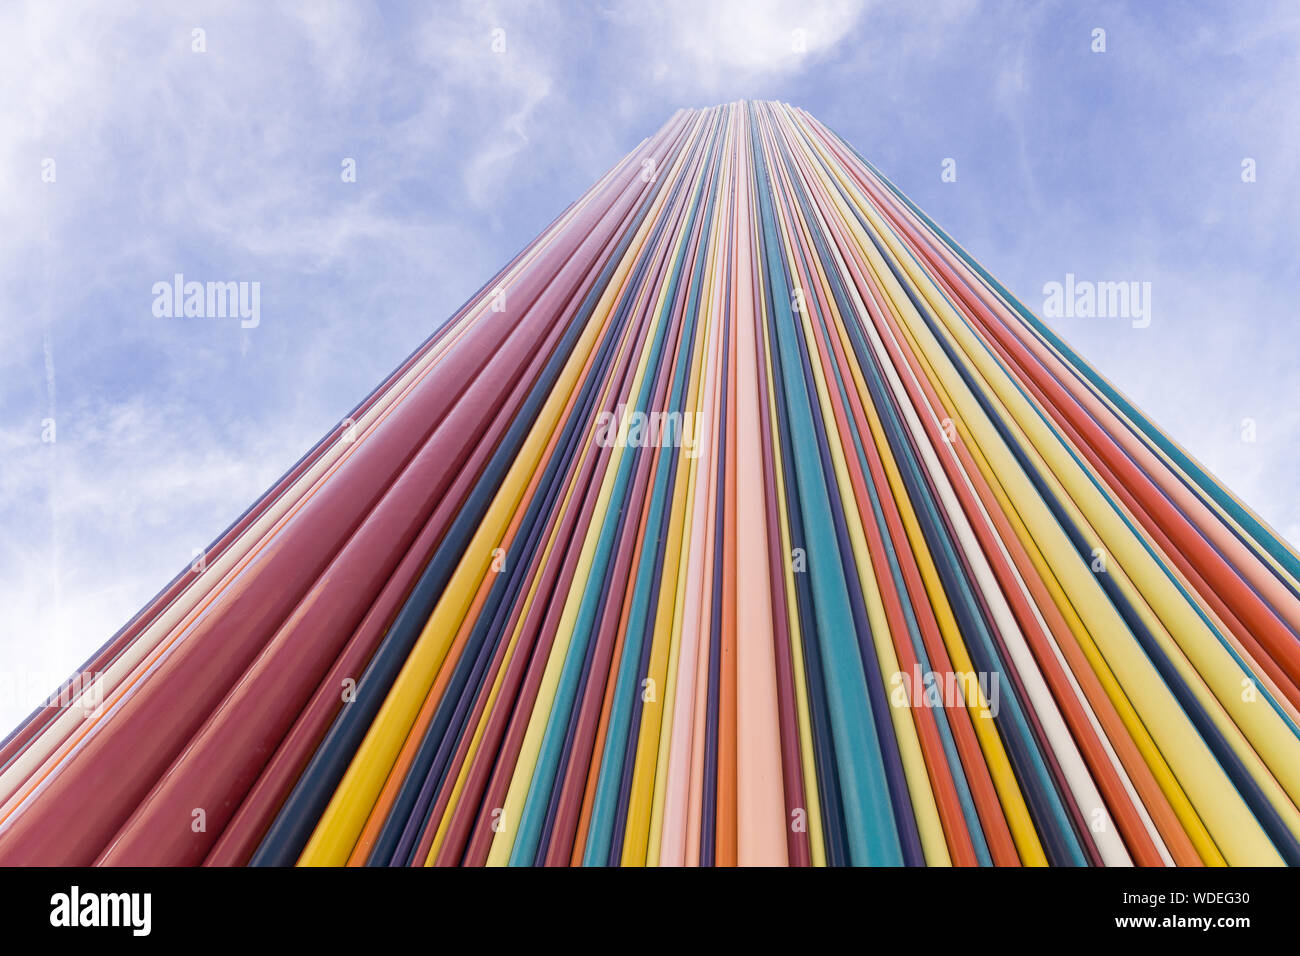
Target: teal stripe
868 812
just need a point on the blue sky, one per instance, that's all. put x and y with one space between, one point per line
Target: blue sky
224 165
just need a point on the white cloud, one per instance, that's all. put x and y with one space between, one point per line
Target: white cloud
704 46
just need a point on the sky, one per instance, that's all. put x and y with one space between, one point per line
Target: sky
133 148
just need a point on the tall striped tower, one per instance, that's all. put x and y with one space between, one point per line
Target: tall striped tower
742 518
